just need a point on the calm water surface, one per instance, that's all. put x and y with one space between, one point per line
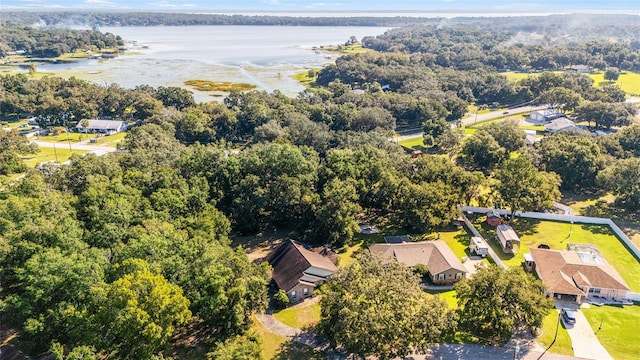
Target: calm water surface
266 56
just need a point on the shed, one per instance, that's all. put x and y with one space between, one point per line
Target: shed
493 218
478 246
507 238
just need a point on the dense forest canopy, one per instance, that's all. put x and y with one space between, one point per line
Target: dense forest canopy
52 42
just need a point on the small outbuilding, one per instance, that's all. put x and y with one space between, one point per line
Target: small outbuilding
493 218
508 239
478 246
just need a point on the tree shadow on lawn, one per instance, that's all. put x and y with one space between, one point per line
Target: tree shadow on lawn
525 226
291 350
602 209
598 229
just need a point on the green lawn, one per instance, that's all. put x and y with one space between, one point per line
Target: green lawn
415 143
346 257
279 347
628 81
619 333
457 240
532 127
60 154
563 341
300 316
501 118
110 139
473 108
602 205
516 76
306 80
557 234
15 124
65 137
449 296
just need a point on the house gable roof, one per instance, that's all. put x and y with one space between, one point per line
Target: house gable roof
436 255
95 124
291 259
563 271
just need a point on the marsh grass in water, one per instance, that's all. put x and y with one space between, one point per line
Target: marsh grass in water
208 85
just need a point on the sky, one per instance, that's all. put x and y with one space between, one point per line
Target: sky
320 5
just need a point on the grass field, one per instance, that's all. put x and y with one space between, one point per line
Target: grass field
516 76
457 240
60 154
306 80
415 143
64 137
279 347
602 205
449 296
300 316
557 234
15 124
628 81
619 333
562 345
110 139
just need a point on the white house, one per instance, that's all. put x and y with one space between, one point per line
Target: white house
563 124
107 127
545 115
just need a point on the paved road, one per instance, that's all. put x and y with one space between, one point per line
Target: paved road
472 118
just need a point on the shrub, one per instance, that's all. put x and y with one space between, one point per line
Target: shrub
280 299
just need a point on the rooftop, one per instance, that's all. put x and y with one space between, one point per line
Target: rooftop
436 255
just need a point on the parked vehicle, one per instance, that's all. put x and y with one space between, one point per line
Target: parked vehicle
567 316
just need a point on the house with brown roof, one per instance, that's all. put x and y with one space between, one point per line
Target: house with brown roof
444 267
299 268
578 273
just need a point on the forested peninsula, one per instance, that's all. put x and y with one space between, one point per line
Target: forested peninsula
140 253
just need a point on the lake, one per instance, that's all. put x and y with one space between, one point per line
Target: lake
267 56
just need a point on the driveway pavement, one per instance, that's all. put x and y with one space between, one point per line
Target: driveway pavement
583 340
